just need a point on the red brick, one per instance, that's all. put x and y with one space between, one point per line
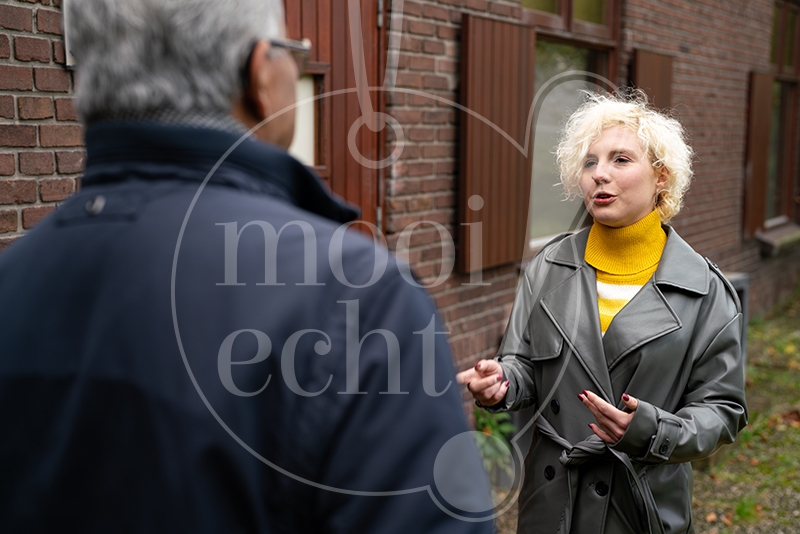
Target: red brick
65 109
434 82
48 21
16 18
31 216
51 79
6 241
15 135
405 79
59 55
56 190
446 134
8 221
434 117
17 191
32 49
7 106
60 135
446 65
421 63
411 8
438 151
421 134
410 44
7 167
500 9
435 12
15 78
5 47
36 163
419 169
445 32
433 47
35 107
70 162
407 116
421 27
479 5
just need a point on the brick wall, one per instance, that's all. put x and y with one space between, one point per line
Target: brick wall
40 138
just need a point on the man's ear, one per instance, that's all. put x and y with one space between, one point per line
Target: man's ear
256 94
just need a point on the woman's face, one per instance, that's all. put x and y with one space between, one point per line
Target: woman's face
618 182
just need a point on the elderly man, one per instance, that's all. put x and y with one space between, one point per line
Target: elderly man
196 344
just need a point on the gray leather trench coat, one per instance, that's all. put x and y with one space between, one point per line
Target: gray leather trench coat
676 347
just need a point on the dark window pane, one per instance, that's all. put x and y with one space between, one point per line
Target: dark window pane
776 143
590 11
549 214
551 6
788 51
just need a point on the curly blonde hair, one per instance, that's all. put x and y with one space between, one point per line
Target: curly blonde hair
662 138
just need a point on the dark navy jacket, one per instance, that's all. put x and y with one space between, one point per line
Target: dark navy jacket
148 384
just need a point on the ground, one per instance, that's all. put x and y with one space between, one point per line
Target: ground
753 486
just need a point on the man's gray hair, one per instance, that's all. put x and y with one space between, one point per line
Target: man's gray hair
137 58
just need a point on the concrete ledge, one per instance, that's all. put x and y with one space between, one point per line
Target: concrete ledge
775 240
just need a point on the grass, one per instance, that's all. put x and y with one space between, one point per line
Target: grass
753 486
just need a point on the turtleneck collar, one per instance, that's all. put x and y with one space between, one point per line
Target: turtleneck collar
627 250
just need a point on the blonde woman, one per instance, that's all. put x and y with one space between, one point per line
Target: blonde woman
625 339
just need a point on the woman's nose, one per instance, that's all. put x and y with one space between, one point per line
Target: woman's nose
599 175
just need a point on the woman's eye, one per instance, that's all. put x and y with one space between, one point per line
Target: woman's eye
588 164
623 160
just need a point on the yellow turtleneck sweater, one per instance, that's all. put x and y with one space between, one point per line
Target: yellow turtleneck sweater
625 259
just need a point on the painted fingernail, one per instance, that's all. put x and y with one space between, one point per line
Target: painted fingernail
626 397
499 378
506 384
584 393
478 366
580 397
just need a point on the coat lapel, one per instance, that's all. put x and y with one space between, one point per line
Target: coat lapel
648 315
572 307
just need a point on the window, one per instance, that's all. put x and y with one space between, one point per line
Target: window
771 165
591 18
550 214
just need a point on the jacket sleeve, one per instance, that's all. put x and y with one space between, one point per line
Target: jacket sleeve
712 411
514 354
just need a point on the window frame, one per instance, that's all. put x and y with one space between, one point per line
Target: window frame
563 28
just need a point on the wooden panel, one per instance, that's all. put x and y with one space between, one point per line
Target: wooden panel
497 61
757 159
653 73
327 24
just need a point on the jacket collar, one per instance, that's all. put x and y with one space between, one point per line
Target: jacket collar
119 151
572 306
680 266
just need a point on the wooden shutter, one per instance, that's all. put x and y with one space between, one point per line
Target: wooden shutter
652 72
326 23
497 84
757 160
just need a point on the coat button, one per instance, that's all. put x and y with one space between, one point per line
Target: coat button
549 472
601 488
96 205
555 406
662 450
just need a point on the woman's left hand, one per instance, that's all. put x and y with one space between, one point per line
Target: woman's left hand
611 422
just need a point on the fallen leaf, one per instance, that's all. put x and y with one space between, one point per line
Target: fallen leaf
741 457
727 521
711 518
754 461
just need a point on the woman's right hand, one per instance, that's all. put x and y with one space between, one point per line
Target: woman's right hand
485 382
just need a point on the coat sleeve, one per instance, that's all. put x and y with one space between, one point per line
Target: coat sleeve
712 408
514 354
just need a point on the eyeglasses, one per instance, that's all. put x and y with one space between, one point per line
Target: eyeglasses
300 51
